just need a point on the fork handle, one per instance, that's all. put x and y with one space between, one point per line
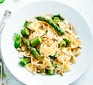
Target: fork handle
6 16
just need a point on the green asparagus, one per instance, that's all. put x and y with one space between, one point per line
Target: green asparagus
27 23
34 52
24 61
25 31
26 42
17 43
58 16
56 20
54 65
17 37
62 43
50 22
67 41
50 72
36 41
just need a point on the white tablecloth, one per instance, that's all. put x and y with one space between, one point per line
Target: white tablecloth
84 7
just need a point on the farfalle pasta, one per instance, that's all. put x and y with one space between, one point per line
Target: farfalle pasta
48 45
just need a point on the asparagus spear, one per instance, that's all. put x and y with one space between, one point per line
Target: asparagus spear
67 41
54 65
24 61
26 42
50 22
36 41
58 16
62 43
50 72
27 23
56 20
17 41
34 52
17 36
25 31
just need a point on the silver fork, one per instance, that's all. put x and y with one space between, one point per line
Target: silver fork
5 18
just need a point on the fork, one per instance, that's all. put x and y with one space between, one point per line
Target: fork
5 18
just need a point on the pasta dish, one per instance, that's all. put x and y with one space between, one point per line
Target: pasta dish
47 44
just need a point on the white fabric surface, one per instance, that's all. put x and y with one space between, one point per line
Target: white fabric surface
84 7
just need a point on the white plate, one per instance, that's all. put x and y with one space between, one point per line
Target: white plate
10 54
